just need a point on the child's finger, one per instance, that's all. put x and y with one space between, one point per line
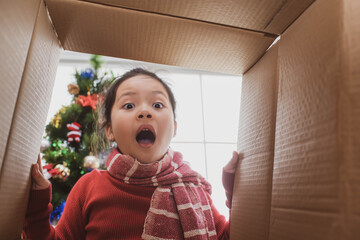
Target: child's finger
34 170
39 181
39 163
230 167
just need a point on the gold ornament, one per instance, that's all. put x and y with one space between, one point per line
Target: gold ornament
91 161
56 120
73 88
63 109
64 171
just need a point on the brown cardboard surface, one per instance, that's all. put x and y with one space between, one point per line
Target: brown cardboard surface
27 125
287 14
250 213
17 20
349 121
271 16
105 30
313 171
316 183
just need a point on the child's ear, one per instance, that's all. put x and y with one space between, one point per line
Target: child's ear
109 133
175 128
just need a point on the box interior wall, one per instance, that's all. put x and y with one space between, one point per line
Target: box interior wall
299 122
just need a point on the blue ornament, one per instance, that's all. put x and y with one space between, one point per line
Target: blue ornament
88 73
57 212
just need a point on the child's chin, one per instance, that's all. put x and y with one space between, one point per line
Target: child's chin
146 160
149 158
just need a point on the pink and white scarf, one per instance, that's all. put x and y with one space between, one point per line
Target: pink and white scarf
179 207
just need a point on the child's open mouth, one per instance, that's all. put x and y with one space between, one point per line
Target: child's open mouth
146 136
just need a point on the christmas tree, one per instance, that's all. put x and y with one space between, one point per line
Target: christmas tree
72 142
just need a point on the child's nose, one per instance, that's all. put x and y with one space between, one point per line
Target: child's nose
144 114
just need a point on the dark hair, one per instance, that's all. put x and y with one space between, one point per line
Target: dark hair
111 93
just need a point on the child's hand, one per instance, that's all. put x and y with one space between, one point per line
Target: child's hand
229 176
39 182
230 167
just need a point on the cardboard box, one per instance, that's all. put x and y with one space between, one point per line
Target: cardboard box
253 185
316 176
30 53
300 115
300 178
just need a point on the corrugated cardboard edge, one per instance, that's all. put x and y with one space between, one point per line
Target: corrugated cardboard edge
282 20
27 126
52 25
349 121
250 214
17 21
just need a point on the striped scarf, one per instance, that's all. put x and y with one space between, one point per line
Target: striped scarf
179 207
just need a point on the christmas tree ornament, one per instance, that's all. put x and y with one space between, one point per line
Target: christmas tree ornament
89 100
49 171
73 88
63 170
88 73
74 132
57 212
91 161
63 109
56 120
57 144
45 144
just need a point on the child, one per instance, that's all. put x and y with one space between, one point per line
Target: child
147 191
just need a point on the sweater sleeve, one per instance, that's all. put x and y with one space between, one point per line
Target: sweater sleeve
37 223
222 226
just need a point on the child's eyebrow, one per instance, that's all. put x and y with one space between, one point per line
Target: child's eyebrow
125 94
130 93
159 92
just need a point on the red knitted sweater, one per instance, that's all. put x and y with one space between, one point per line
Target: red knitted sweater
101 207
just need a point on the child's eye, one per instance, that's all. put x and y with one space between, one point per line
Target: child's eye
129 106
158 105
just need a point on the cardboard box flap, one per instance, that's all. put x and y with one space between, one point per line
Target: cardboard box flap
28 121
271 16
17 24
250 212
316 181
131 34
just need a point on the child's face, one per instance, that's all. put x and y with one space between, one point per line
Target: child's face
142 120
